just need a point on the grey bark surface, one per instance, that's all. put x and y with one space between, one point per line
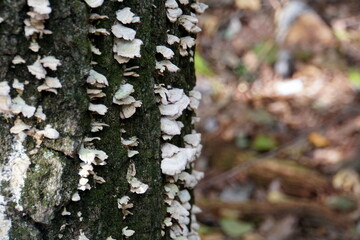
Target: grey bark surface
53 174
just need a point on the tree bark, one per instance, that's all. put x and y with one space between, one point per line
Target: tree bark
51 177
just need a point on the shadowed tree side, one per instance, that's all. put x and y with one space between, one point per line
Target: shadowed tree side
62 177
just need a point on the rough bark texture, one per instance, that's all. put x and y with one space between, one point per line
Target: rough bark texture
52 176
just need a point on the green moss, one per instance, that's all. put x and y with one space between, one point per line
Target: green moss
43 188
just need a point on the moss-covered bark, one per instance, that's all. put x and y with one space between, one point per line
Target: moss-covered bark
52 176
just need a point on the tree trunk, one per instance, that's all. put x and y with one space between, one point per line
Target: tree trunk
40 172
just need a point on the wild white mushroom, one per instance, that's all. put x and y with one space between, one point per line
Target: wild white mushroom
40 6
124 205
98 108
127 232
98 31
177 163
37 69
18 86
18 60
50 62
170 127
19 126
95 16
136 186
125 15
120 31
18 106
97 79
128 49
94 3
195 98
95 93
166 64
184 2
50 85
98 126
94 49
199 7
171 39
49 132
75 197
34 46
189 23
39 114
5 99
165 51
173 14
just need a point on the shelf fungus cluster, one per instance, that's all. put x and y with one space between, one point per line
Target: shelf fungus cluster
35 25
127 102
88 154
23 115
126 46
177 162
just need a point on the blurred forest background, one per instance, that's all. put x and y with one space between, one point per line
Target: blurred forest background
280 119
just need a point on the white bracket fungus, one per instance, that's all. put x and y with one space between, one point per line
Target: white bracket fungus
165 51
127 232
190 180
75 197
189 22
98 126
18 60
97 79
199 7
120 31
174 109
65 212
172 10
177 163
50 62
126 16
128 72
136 186
49 132
186 43
184 2
195 98
166 64
5 99
19 126
34 46
128 49
98 108
93 156
171 39
94 49
94 3
128 103
95 93
98 31
40 10
90 157
170 128
40 6
39 114
37 69
124 205
50 85
18 86
19 106
95 16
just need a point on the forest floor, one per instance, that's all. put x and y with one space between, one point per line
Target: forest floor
281 155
